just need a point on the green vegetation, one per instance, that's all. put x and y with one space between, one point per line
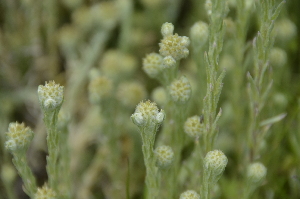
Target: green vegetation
149 99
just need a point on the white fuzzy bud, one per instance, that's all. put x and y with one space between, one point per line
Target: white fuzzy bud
256 172
169 62
167 29
51 96
215 163
164 155
199 34
189 194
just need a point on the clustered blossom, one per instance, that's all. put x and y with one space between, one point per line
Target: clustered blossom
51 96
180 90
199 33
164 155
45 193
189 194
152 64
116 64
175 46
193 126
215 162
147 114
18 136
99 88
131 93
256 172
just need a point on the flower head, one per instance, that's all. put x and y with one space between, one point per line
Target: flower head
256 172
189 194
99 88
164 155
180 90
175 46
147 113
45 193
152 64
130 93
215 163
193 126
51 96
18 136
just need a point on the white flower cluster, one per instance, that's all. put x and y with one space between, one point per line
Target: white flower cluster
45 193
215 162
256 172
147 114
193 126
164 156
51 96
189 194
173 45
18 136
180 90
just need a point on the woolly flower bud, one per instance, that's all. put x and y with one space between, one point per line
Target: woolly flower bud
175 46
131 93
45 193
99 88
167 29
193 126
18 136
215 161
164 155
180 90
146 113
199 33
159 95
169 62
51 96
256 172
189 194
278 57
285 30
152 64
116 64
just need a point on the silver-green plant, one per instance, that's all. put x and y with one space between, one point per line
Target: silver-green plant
148 119
18 139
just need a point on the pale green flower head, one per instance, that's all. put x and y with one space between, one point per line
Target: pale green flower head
173 45
214 163
193 126
189 194
45 193
18 136
51 96
180 90
256 172
164 156
147 114
153 64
